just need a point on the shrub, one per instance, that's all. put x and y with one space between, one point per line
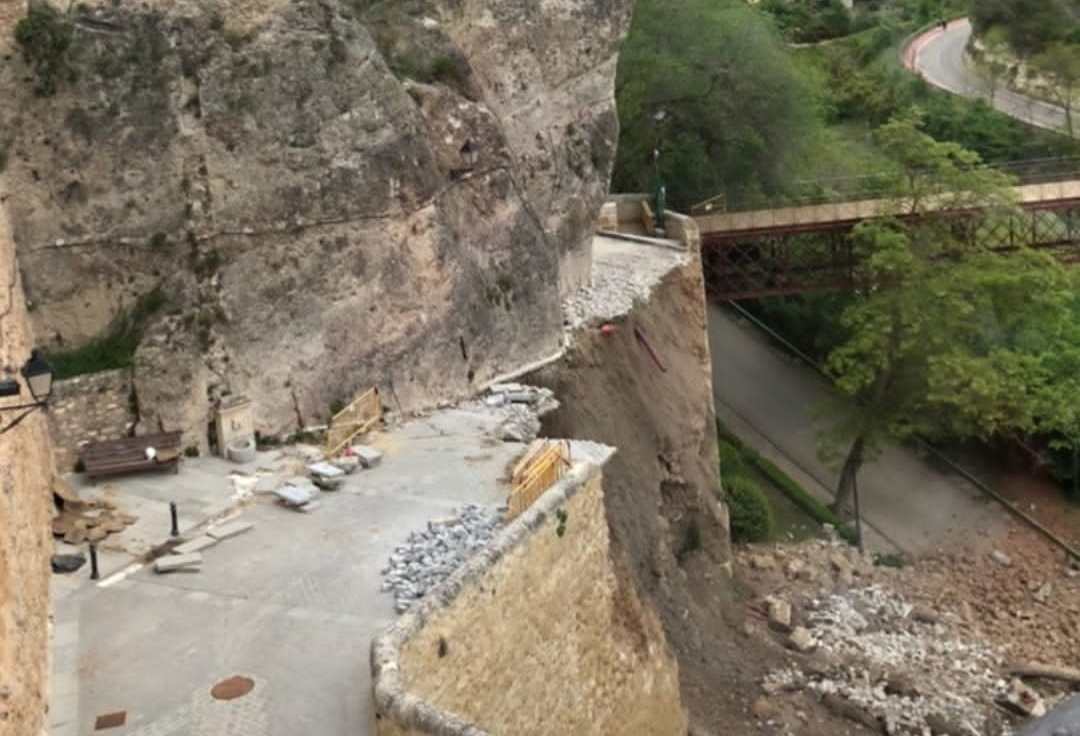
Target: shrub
751 514
45 36
116 347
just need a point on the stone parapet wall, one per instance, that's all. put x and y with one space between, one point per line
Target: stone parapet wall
535 635
93 407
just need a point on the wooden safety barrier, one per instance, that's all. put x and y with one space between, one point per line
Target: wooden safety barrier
354 420
543 464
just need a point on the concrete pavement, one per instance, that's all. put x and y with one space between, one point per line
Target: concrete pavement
939 56
292 604
769 400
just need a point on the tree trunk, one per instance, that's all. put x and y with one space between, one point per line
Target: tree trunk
851 468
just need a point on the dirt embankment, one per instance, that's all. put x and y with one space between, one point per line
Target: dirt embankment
666 524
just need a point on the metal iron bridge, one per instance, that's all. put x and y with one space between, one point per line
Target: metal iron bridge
757 248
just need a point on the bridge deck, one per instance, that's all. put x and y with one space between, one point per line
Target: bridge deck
828 216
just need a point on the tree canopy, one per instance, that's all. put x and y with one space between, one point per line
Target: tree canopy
1029 25
726 108
947 337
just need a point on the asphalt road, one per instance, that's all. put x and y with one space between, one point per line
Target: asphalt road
769 400
938 57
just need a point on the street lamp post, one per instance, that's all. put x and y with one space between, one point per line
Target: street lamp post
38 375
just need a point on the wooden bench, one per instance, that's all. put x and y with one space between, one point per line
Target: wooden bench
128 455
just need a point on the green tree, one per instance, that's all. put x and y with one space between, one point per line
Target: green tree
993 66
946 335
45 35
710 85
1060 65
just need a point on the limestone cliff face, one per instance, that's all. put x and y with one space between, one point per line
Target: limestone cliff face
328 195
26 472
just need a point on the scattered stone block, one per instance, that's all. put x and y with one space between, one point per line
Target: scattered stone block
925 615
292 495
504 388
1001 558
329 484
801 640
1021 699
762 562
229 530
763 709
368 456
195 545
325 470
168 563
779 613
346 464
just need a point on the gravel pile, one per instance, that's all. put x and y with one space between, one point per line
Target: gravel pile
428 557
870 631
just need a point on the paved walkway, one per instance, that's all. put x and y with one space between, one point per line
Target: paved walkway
292 604
939 56
768 399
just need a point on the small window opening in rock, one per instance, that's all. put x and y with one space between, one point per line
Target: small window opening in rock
443 647
464 350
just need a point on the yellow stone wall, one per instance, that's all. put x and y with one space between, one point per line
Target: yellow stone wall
547 640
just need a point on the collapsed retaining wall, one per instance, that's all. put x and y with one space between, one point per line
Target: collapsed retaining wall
89 408
535 635
642 382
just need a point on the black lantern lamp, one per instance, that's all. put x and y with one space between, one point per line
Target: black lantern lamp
39 377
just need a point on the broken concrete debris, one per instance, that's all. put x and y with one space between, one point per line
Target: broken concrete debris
198 544
779 613
368 456
169 563
429 556
896 666
225 531
327 476
296 493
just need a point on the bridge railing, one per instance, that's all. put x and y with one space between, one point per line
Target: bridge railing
876 185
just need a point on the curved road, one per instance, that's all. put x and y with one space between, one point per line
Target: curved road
771 402
938 57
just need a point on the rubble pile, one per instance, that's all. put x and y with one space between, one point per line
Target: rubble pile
930 647
901 671
428 557
523 406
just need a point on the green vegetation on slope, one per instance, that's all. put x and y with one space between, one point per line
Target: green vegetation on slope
1029 26
115 348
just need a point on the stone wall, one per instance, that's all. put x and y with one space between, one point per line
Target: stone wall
96 406
25 511
535 635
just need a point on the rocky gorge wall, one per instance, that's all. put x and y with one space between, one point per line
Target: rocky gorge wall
535 635
26 473
325 195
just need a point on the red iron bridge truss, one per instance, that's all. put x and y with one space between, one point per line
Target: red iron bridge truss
752 249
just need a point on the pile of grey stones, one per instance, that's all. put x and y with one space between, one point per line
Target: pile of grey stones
428 557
